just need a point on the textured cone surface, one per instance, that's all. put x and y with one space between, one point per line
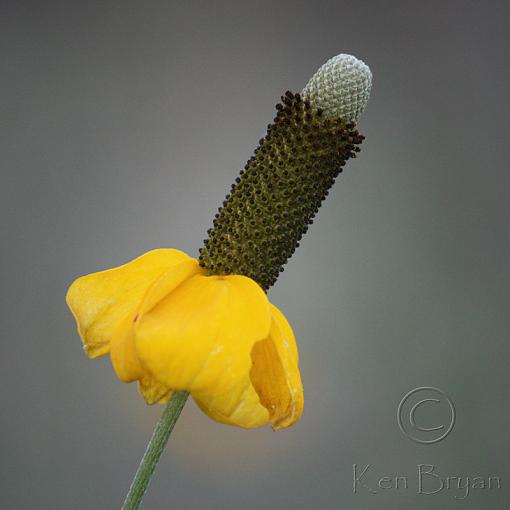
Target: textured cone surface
341 87
280 190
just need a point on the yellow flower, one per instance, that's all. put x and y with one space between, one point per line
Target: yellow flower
169 326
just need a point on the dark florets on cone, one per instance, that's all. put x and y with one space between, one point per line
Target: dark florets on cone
276 196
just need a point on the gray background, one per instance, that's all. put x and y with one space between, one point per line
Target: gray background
123 125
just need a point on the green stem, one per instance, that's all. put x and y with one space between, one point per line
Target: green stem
154 450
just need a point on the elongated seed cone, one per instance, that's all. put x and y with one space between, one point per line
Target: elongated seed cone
279 191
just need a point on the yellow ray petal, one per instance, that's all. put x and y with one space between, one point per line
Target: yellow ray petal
128 367
125 360
247 413
199 338
152 391
275 373
123 353
100 301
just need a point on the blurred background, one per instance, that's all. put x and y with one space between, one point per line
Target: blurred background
123 125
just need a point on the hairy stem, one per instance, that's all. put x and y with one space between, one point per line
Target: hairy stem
154 450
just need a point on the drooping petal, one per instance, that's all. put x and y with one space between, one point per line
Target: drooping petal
129 368
275 373
199 338
123 350
100 301
123 355
153 391
247 412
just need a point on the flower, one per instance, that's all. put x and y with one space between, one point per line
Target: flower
170 326
205 326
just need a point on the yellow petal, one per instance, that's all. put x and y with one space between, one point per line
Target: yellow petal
125 360
128 367
275 373
153 391
248 412
123 354
199 338
100 301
